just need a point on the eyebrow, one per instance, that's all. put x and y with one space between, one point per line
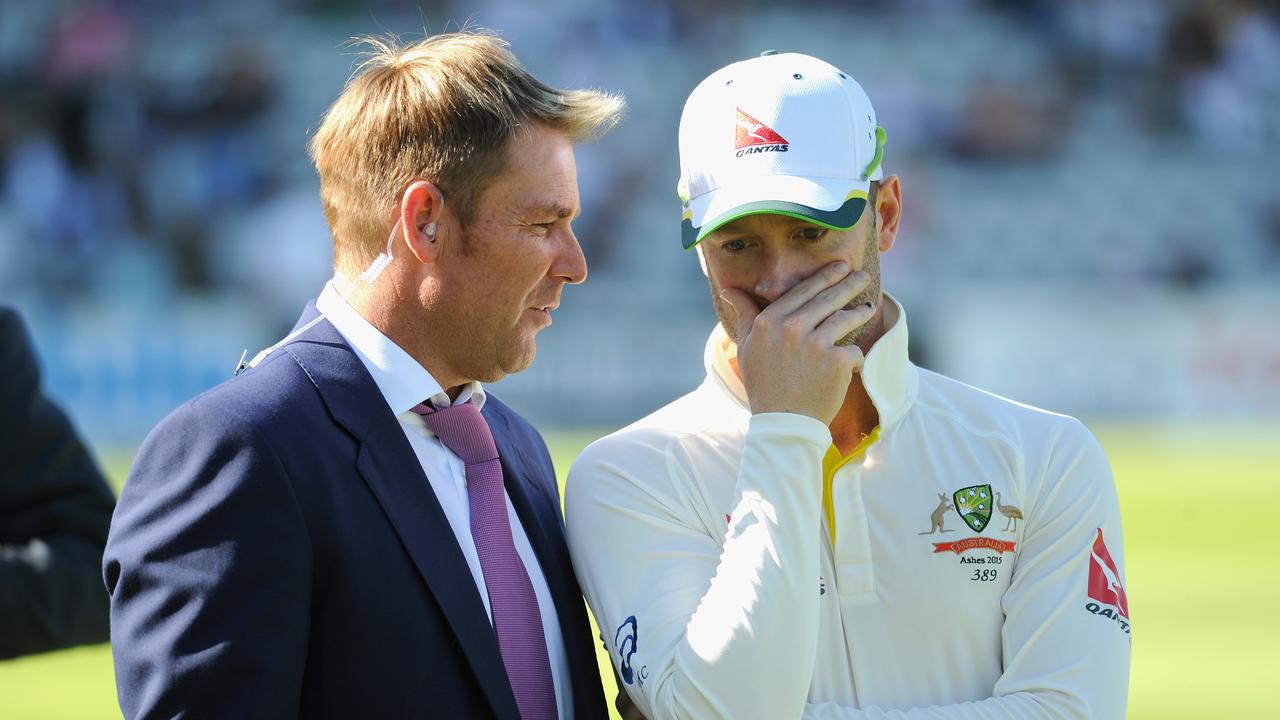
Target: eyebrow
560 211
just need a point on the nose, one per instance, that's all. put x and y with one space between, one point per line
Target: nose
779 271
570 264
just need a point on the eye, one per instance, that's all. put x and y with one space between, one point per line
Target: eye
812 234
733 247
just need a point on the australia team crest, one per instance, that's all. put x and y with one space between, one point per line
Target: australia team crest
973 504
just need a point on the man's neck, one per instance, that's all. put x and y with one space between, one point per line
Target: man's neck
378 307
858 416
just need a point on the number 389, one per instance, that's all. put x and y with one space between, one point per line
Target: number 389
983 575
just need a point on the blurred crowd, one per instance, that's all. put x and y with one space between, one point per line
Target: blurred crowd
152 152
146 148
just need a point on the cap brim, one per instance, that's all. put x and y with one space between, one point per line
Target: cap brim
810 201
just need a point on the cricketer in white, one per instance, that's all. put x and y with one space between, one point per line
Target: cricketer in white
766 616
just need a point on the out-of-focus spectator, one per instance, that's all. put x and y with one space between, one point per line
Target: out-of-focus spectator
1222 56
1009 124
149 158
55 509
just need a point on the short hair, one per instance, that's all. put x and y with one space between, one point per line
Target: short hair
443 109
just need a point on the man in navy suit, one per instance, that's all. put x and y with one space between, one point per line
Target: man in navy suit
353 527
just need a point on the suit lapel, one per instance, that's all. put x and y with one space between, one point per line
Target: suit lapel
390 468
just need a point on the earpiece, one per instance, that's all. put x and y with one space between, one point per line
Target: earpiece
381 262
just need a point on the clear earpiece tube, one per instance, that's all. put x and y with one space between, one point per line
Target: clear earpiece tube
381 262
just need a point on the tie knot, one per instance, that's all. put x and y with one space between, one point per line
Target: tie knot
462 429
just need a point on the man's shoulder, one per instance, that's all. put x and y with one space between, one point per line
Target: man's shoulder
274 395
17 362
652 465
11 325
229 440
983 412
674 428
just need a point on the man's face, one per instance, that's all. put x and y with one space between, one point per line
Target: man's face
765 255
499 284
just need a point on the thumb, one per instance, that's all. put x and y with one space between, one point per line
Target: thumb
744 308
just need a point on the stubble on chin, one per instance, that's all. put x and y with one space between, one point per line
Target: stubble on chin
727 316
516 352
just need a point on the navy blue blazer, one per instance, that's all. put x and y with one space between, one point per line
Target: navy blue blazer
277 551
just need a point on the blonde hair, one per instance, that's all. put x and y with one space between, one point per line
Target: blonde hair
441 109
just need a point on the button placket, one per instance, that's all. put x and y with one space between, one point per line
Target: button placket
855 571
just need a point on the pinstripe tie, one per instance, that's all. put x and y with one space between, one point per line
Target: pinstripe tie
516 618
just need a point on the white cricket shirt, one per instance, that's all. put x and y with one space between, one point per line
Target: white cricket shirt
404 383
966 562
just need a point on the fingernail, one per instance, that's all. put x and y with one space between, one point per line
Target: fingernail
841 267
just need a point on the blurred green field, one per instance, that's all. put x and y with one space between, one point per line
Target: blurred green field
1201 554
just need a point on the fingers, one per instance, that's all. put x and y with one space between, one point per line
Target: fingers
804 290
744 307
789 353
843 322
853 355
831 300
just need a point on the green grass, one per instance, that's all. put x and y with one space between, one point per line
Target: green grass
1201 556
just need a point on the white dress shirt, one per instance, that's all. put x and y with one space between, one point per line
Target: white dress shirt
405 383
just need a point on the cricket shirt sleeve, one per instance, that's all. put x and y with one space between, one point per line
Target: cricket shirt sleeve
1066 635
704 621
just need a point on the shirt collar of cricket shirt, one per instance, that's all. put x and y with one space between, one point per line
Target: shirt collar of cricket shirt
887 373
402 380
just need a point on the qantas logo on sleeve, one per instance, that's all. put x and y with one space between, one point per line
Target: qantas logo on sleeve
1105 587
754 136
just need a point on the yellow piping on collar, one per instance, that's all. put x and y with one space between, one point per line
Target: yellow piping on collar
831 463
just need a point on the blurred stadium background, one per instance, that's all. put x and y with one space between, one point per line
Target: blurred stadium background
1092 225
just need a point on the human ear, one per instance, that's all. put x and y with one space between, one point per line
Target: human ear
421 209
888 211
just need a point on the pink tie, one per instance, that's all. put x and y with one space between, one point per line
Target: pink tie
516 618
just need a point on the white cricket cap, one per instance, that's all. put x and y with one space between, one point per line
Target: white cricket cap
785 134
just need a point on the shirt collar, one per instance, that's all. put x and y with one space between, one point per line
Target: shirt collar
402 380
887 373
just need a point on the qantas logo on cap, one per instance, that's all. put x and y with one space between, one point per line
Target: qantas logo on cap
754 136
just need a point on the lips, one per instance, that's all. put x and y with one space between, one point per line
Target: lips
543 313
546 306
